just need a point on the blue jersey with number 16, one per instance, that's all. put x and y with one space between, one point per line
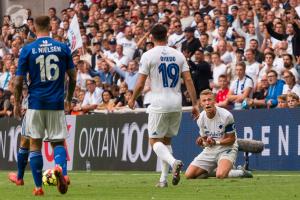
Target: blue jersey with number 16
46 61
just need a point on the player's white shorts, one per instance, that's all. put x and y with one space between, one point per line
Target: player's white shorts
208 160
49 125
162 125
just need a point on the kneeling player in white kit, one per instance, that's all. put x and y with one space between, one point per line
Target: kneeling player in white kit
165 66
218 136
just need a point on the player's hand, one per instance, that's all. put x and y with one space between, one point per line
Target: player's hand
17 112
67 107
210 141
131 103
195 112
201 141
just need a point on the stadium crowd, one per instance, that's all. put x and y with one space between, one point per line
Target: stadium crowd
246 51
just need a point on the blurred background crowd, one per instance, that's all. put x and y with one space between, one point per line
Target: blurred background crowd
246 51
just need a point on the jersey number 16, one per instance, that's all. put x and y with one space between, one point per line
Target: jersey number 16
47 68
170 71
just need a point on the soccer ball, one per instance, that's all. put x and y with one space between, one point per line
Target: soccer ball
49 178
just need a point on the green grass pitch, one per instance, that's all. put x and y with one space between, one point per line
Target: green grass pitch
140 185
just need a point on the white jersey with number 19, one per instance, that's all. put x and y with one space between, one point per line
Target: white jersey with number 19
164 66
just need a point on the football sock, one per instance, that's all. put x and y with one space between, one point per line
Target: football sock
22 161
36 164
235 173
165 167
60 158
163 153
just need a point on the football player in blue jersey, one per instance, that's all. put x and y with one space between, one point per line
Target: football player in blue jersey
46 61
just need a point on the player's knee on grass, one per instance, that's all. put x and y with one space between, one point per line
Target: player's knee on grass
221 175
193 172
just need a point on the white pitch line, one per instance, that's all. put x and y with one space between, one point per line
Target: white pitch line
151 174
95 173
279 175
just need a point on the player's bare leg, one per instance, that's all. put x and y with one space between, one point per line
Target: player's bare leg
36 165
224 166
17 178
193 172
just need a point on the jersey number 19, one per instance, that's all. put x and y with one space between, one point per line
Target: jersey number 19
170 71
46 67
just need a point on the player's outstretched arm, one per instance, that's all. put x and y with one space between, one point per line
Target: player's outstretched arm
140 83
18 93
192 92
72 84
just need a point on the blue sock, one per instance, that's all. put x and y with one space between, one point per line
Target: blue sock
60 158
22 161
36 164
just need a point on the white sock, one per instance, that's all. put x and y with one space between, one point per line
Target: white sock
163 153
165 167
235 173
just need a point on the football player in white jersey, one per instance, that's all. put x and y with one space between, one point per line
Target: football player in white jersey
218 136
165 66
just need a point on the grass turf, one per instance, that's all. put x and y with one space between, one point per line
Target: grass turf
140 185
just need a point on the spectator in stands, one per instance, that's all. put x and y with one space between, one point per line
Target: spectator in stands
292 34
218 69
10 106
292 100
191 44
282 103
128 43
96 53
204 42
274 90
120 99
201 71
241 88
92 97
7 76
252 67
221 97
259 96
130 76
3 103
119 58
289 65
267 65
290 83
77 107
103 71
175 40
259 56
107 102
205 7
82 74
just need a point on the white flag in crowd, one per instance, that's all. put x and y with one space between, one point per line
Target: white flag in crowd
74 36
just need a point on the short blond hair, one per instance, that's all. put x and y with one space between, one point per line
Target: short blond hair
206 92
293 96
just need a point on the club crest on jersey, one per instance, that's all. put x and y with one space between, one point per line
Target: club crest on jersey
220 126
